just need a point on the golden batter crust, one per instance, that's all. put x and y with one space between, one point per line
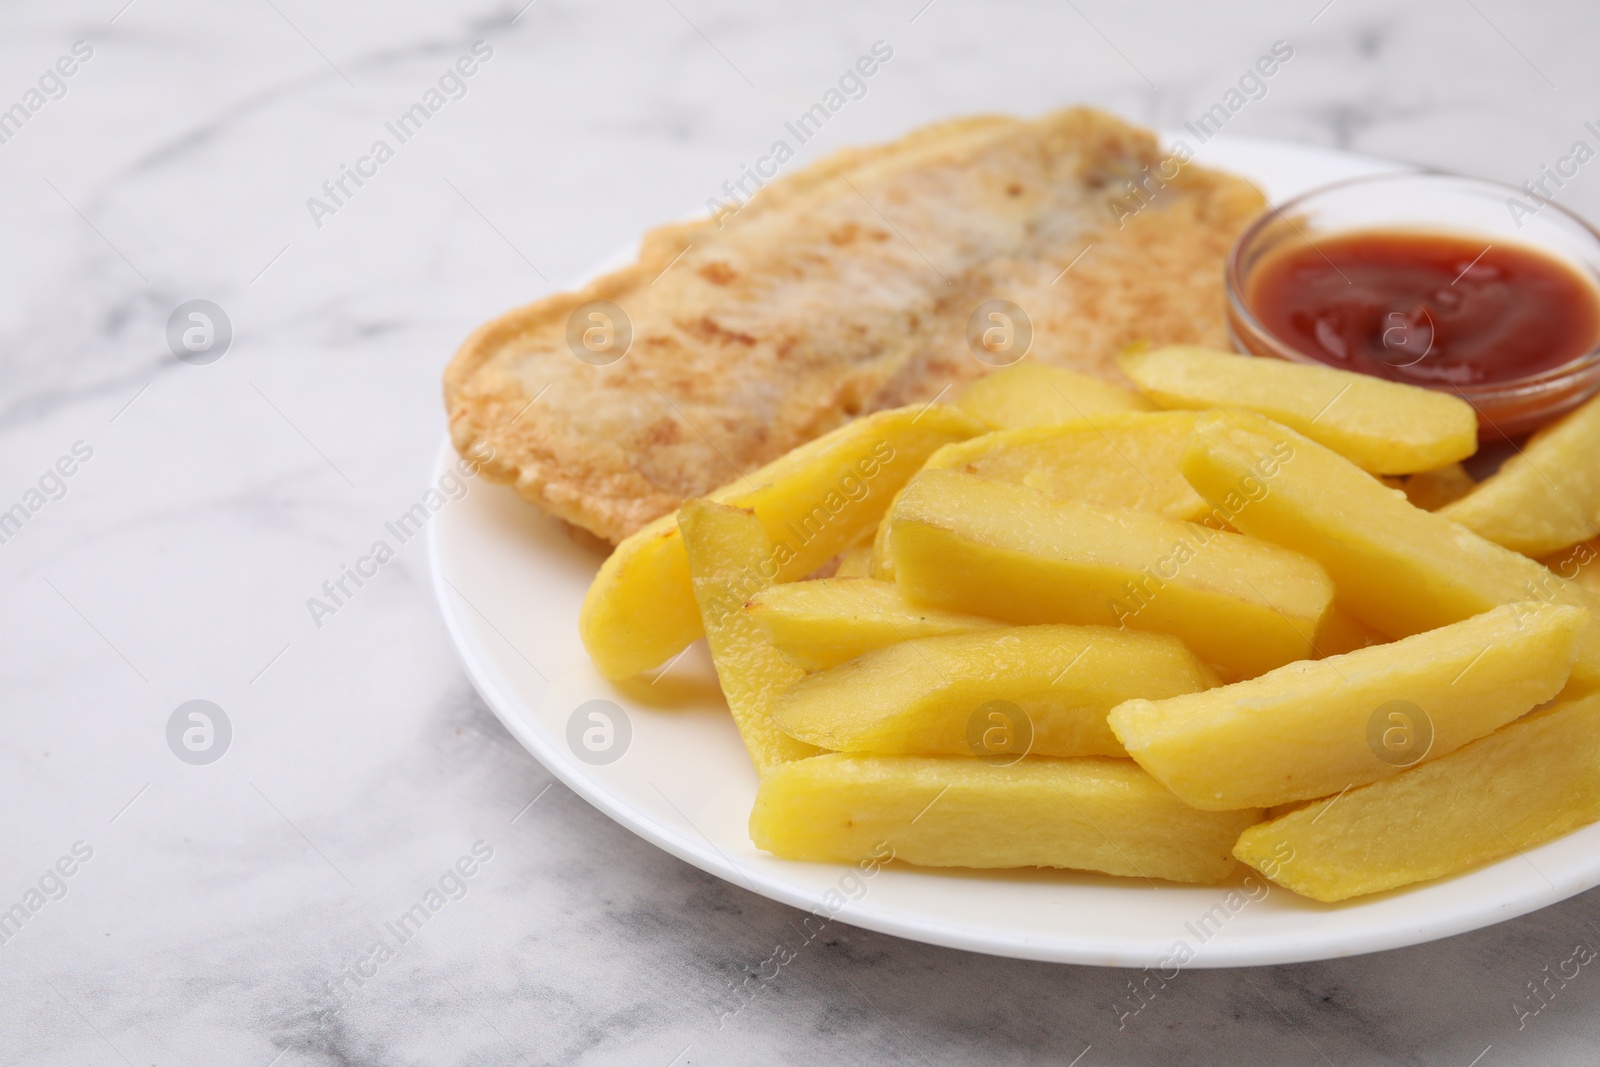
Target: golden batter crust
839 290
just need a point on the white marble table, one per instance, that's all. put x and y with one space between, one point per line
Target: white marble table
225 913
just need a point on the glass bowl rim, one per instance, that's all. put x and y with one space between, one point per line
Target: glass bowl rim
1532 383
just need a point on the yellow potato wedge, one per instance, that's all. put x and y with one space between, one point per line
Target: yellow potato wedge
1032 394
1432 490
1091 814
821 624
1383 427
1043 690
1315 728
1114 461
1525 784
1340 634
813 502
724 547
1546 497
967 544
1399 569
855 561
881 564
1577 564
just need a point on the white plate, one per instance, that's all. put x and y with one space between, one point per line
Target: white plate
510 581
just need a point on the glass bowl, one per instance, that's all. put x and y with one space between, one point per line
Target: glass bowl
1430 202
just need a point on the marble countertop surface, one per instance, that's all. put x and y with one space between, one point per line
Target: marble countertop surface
191 914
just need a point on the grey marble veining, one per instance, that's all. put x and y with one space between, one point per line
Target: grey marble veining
227 913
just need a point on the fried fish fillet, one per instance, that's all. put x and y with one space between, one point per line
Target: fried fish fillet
840 290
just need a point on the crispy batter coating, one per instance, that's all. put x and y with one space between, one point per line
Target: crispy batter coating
843 289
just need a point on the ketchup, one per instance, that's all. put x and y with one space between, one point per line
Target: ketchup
1430 309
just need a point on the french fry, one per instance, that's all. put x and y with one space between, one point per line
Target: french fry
1384 427
725 547
1009 552
1112 461
1525 784
1092 814
821 624
1398 569
1314 728
934 696
1032 394
855 561
1577 564
1546 497
813 503
880 564
1340 634
1432 490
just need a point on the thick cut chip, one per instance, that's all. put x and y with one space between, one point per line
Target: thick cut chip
1546 497
881 563
813 502
1033 394
1012 553
1384 427
1043 690
1340 634
1523 785
725 548
821 624
1112 461
1091 814
1432 490
1315 728
1399 569
855 561
1577 564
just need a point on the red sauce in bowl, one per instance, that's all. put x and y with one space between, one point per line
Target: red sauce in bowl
1430 309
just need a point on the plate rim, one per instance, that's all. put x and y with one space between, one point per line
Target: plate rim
1141 950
